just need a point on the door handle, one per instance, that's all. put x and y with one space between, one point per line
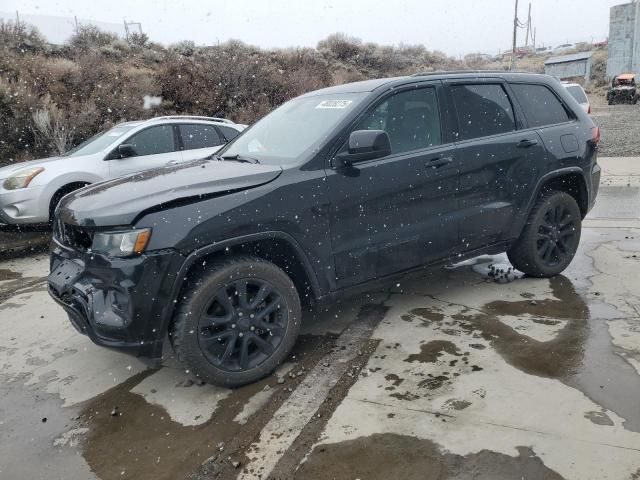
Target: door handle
526 143
439 162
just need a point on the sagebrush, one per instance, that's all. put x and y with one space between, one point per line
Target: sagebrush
54 96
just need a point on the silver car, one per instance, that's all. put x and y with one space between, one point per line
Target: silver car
577 92
30 191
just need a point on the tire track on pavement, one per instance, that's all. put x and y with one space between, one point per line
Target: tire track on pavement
276 448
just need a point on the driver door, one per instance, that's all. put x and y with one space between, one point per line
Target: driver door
155 146
397 212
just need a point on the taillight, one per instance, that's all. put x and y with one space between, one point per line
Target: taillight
595 131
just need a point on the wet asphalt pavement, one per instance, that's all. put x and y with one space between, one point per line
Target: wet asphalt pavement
16 241
463 372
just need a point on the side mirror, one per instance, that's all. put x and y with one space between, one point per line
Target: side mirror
365 145
126 150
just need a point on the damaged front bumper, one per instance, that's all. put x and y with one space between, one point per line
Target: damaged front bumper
118 302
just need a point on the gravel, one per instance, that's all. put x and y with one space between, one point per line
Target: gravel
620 130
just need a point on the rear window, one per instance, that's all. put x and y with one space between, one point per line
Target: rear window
577 93
483 110
541 106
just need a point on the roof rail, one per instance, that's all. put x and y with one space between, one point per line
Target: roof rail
457 72
193 117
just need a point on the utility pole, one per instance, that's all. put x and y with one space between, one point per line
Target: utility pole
515 38
526 44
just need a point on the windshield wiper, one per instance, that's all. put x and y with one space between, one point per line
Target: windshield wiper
239 158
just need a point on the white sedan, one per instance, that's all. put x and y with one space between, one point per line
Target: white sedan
30 191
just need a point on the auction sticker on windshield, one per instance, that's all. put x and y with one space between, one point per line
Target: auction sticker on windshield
334 104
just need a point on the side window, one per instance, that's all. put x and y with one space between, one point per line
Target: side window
410 118
199 136
483 110
228 132
152 141
540 105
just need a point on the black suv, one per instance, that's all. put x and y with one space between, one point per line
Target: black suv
329 192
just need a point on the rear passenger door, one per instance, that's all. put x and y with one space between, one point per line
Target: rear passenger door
498 160
546 113
199 140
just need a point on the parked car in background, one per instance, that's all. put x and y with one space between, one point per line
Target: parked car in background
623 89
30 191
564 48
577 92
328 194
227 121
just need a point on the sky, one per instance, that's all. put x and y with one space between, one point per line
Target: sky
455 27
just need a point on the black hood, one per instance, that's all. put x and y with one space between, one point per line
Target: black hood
122 200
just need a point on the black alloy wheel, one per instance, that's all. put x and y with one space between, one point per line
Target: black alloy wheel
237 320
556 236
550 238
242 325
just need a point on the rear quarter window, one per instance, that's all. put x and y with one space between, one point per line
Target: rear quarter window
228 132
541 106
577 93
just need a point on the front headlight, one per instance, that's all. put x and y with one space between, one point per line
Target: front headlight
121 244
22 178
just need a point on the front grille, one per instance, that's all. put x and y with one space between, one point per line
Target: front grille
73 236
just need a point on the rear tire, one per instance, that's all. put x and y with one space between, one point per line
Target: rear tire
550 237
237 321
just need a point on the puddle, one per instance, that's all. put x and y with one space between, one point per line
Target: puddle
385 456
599 418
425 315
131 438
6 275
456 404
430 352
581 354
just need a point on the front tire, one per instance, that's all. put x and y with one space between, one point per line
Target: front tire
237 321
550 238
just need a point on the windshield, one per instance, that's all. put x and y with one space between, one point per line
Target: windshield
577 93
297 127
99 142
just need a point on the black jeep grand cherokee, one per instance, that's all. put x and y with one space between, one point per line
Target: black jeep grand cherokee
332 190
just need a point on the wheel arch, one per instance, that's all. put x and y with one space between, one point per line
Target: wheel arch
63 190
278 247
570 180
